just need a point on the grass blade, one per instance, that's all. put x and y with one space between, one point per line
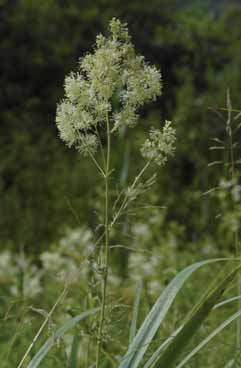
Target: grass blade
196 318
227 301
74 352
154 358
157 314
230 364
51 341
135 311
209 338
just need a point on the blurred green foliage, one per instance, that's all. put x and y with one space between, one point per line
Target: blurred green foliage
43 185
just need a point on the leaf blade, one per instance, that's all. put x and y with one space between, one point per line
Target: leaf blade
209 338
194 321
49 343
139 345
135 310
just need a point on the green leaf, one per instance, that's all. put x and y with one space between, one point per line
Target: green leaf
155 356
135 310
74 352
153 359
196 318
51 341
231 363
142 340
209 338
227 301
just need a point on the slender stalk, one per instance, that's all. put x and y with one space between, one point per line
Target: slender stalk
237 251
58 301
236 237
60 298
123 204
106 247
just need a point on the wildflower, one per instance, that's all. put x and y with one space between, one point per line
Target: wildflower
111 82
160 145
78 241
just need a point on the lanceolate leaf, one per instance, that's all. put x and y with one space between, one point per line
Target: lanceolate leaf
209 338
154 358
170 355
144 337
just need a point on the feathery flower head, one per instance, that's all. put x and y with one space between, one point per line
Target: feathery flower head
160 144
112 81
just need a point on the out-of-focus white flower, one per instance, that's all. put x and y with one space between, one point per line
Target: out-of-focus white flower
79 240
236 192
225 184
7 267
52 261
31 286
140 230
143 265
154 287
32 283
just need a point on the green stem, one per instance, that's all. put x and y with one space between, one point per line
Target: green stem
236 238
123 204
106 248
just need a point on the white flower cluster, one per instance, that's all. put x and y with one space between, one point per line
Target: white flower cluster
15 267
73 248
233 186
8 269
146 266
160 145
112 81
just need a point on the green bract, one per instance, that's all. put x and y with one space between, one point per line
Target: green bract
112 81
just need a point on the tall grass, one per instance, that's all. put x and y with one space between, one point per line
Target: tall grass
230 146
101 98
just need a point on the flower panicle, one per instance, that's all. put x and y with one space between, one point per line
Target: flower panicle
111 80
160 145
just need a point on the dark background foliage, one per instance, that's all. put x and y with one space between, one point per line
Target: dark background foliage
197 47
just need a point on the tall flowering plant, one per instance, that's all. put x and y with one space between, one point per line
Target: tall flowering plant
105 94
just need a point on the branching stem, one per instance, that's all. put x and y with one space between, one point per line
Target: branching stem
123 204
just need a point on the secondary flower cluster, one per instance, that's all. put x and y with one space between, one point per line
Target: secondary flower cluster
160 145
111 83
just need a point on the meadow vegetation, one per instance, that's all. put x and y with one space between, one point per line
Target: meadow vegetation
143 269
